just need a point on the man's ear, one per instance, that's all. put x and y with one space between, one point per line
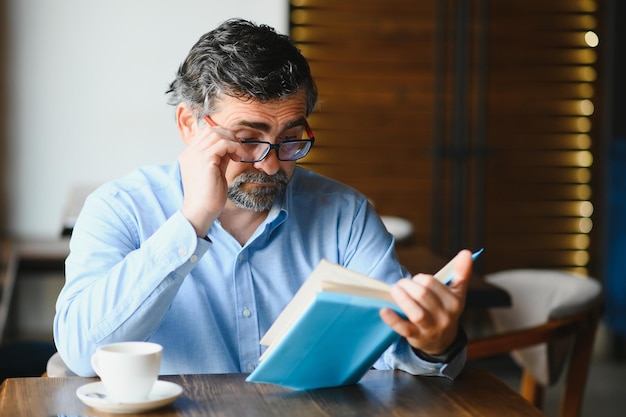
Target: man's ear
186 122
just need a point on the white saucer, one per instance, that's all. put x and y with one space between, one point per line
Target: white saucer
94 395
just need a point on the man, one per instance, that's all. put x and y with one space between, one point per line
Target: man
201 256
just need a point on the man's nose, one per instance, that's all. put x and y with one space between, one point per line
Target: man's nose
270 165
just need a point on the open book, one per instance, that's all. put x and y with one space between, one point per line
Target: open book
330 333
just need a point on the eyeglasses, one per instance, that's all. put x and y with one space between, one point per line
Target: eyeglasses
289 150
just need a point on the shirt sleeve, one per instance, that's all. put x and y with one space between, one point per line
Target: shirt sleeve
118 288
401 356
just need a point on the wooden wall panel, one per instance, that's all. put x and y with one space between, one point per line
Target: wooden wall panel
541 135
474 119
374 114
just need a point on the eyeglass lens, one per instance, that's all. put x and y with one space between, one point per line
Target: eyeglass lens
287 151
291 150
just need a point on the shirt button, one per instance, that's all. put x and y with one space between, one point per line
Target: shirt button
251 367
182 251
193 259
246 312
241 258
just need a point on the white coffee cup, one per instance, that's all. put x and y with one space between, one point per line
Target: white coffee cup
128 370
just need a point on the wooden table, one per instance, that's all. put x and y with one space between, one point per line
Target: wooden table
476 392
42 254
17 256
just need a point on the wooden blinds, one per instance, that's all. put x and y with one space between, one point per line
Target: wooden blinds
373 62
475 120
543 95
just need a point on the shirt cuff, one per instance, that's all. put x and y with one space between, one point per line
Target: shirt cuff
404 358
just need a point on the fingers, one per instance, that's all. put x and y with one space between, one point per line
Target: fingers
462 268
203 165
399 325
215 143
426 302
432 309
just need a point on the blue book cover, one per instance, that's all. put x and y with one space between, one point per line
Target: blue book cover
330 334
334 342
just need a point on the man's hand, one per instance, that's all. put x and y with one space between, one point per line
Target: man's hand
432 308
203 166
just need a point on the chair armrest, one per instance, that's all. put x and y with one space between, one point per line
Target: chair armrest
507 342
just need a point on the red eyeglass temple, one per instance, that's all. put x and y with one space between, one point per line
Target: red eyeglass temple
210 121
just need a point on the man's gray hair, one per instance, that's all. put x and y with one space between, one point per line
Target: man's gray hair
242 60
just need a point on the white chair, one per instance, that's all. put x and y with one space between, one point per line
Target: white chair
57 368
551 324
399 227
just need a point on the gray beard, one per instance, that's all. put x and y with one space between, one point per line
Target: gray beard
260 199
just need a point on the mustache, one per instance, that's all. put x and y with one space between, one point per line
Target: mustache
259 176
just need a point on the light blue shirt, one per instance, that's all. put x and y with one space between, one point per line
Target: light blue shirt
137 271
